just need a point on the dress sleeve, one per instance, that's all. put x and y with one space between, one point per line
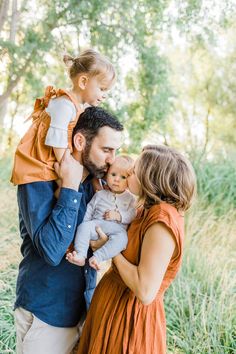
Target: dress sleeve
171 219
61 111
50 224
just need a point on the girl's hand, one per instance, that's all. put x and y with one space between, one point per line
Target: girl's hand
69 170
112 215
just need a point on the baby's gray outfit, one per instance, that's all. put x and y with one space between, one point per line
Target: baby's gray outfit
116 231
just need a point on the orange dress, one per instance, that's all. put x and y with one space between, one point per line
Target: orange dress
33 159
117 322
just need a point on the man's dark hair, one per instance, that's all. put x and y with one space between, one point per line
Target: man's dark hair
92 119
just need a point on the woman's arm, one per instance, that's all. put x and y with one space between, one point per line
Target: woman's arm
145 279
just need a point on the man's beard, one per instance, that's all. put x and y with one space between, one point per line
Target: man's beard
96 171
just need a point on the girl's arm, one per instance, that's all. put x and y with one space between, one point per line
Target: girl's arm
146 278
59 152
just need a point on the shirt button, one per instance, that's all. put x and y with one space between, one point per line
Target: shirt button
75 200
69 226
86 271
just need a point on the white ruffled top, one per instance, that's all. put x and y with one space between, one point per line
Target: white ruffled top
62 111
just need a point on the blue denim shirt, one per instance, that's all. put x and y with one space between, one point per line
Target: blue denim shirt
54 290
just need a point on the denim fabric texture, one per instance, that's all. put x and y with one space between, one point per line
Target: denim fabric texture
54 290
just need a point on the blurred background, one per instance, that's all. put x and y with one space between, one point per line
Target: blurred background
176 85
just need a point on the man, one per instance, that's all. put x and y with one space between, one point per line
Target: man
51 292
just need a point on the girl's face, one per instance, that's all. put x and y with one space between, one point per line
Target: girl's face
96 89
133 182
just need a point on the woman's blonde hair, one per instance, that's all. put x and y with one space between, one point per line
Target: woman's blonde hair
165 175
90 62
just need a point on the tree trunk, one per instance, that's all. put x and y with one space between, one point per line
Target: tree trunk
14 21
13 115
3 13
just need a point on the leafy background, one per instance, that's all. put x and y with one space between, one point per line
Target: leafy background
176 69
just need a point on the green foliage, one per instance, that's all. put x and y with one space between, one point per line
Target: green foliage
167 86
217 184
7 295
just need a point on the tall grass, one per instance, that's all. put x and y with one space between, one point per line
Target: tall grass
217 184
9 256
200 304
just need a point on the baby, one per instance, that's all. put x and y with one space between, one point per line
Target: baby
112 210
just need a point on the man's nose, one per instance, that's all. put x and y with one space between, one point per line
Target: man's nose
111 158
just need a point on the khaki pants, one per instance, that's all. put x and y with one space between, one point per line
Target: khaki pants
34 336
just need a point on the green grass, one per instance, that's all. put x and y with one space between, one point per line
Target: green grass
217 183
200 304
7 293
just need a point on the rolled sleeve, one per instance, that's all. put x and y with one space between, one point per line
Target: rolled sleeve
50 226
66 210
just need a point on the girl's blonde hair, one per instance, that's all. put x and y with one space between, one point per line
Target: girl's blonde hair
165 176
91 62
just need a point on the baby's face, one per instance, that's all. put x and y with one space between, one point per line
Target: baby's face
117 178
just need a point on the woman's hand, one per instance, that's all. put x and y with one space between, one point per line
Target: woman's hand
102 239
69 170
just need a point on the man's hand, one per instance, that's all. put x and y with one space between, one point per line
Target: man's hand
102 239
70 171
112 215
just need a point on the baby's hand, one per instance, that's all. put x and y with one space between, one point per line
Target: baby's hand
112 215
75 259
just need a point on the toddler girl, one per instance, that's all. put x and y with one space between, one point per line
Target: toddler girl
56 114
112 210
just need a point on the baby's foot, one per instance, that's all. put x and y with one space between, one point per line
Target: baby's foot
94 263
74 258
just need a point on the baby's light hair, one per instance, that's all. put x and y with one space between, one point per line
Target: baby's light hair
165 175
126 161
90 62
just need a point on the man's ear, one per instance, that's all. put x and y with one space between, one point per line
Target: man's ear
83 81
79 141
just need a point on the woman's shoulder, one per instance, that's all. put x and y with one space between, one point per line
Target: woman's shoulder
163 208
165 213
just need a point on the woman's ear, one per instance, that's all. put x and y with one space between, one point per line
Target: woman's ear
79 142
83 81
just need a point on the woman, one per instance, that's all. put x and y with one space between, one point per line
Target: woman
127 311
